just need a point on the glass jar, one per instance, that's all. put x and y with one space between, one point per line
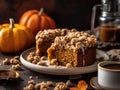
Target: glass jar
109 28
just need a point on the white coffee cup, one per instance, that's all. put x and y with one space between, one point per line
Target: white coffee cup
109 75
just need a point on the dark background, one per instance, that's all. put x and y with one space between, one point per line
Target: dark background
66 13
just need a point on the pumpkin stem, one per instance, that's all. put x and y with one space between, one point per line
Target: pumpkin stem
41 11
11 23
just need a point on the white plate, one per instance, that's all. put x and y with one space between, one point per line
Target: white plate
62 70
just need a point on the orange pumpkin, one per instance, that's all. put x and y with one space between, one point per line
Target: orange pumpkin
15 38
37 20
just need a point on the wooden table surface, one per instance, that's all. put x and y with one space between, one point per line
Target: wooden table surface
20 83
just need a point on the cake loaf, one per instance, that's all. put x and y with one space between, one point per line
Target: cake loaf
45 38
67 47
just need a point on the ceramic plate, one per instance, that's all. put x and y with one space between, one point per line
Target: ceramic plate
95 85
62 70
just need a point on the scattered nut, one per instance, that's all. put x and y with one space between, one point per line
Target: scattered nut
14 61
50 83
17 67
68 83
31 82
6 61
60 86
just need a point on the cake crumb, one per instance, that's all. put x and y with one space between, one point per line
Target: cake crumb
43 58
68 65
54 62
42 63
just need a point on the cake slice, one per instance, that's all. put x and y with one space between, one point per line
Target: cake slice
76 48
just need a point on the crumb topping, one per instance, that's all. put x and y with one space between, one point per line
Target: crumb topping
74 41
50 34
67 39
